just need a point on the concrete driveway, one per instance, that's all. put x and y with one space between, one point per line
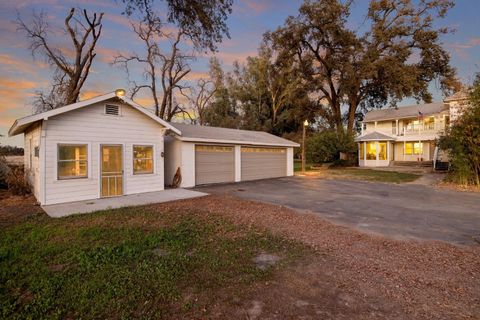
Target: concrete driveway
399 211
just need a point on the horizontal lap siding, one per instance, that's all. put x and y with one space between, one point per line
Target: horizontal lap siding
263 165
89 125
33 174
214 167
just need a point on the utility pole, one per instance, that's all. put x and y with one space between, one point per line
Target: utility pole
305 124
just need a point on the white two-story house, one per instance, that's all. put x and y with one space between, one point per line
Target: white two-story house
406 133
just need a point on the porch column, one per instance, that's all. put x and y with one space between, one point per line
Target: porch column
398 128
388 151
364 151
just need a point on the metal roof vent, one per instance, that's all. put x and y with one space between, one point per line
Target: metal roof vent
112 110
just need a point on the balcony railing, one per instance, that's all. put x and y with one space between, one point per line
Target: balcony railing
434 128
427 128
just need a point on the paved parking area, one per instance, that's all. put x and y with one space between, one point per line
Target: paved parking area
399 211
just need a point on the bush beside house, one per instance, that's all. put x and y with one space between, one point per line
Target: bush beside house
327 146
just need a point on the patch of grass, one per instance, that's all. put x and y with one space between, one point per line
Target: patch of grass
374 175
108 265
297 166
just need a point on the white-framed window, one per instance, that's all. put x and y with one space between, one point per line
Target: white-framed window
72 161
143 159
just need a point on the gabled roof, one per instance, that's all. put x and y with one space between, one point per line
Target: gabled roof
375 136
196 133
460 95
21 124
405 112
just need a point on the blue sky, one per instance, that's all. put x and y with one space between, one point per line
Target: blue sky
21 76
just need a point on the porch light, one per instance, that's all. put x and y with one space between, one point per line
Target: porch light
120 92
305 123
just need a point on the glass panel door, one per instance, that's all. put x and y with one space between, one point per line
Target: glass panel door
112 171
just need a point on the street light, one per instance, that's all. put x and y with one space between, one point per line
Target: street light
305 125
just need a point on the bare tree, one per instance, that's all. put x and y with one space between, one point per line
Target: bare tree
70 72
163 71
199 98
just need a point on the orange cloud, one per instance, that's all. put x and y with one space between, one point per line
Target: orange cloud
231 57
193 76
461 48
9 63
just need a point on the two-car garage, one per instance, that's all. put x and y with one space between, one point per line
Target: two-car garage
206 155
216 163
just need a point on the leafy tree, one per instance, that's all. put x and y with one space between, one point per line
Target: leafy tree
462 141
221 111
325 146
70 73
397 56
203 20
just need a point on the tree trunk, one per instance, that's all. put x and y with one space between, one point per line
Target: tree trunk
352 108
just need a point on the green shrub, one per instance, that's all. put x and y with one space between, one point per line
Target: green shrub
326 146
462 142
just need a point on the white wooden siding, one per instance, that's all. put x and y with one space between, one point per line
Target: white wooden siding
90 125
32 171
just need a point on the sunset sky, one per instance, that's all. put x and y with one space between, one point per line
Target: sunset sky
21 75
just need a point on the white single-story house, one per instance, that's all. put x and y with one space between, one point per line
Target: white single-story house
110 146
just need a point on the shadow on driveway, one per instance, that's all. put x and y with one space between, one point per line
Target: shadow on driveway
399 211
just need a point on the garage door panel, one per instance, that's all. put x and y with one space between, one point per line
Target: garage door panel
263 163
214 164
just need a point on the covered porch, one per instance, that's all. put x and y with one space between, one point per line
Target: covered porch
375 150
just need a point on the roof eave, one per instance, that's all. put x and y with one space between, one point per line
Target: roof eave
253 143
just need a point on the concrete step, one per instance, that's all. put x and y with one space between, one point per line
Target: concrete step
423 164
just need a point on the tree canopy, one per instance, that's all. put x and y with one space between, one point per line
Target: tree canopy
204 21
398 54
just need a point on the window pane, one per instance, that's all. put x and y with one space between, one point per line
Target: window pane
142 159
382 153
72 152
71 169
409 148
418 148
142 152
362 153
371 150
72 161
143 166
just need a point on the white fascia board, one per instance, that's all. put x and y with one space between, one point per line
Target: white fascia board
21 123
239 142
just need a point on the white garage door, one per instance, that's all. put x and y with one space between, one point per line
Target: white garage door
214 164
263 163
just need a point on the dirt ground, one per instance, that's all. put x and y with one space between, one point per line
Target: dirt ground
352 275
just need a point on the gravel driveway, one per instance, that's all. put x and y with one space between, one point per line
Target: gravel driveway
399 211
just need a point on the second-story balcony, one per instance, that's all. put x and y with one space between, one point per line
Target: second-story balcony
416 128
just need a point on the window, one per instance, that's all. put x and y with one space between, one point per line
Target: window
72 161
382 151
394 127
142 159
112 110
371 151
413 148
362 151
